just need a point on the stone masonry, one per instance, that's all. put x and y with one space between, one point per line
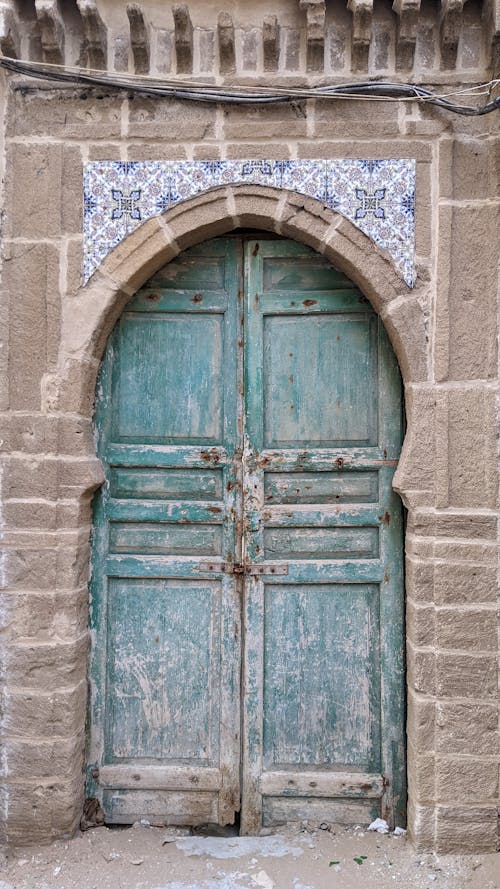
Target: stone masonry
444 332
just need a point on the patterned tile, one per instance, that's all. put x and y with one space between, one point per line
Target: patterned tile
376 195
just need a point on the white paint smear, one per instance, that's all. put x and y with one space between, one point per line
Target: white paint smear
229 881
238 847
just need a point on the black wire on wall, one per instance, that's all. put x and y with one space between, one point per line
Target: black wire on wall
248 95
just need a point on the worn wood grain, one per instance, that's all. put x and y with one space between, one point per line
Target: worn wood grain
249 418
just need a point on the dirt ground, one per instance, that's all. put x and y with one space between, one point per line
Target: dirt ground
144 857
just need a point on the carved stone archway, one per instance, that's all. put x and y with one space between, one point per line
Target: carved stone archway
90 318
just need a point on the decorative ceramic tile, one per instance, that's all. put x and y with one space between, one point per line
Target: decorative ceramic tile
376 195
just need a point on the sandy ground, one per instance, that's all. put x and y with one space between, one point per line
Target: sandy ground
143 857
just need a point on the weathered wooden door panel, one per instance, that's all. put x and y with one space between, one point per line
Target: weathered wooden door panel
216 472
166 659
323 715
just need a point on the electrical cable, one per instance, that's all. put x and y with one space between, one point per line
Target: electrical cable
251 95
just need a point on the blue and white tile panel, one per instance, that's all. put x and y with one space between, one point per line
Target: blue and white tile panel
376 195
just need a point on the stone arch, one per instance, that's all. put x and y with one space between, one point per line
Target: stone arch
90 318
90 315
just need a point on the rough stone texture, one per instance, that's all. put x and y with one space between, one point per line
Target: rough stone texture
466 347
444 333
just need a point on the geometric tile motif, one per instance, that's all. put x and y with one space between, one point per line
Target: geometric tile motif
378 196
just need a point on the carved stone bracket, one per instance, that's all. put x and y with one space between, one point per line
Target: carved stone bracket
183 39
52 30
426 41
227 52
271 43
451 22
362 14
139 38
10 43
315 33
408 12
95 41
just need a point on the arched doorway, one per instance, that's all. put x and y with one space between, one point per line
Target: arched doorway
249 420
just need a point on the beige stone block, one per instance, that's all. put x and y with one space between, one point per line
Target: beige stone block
472 446
33 569
336 119
72 390
31 476
45 714
207 151
42 811
47 617
49 477
30 433
464 550
467 728
432 523
306 221
421 722
415 476
374 148
421 825
140 255
465 676
471 630
48 514
39 436
159 151
420 624
419 580
43 758
204 217
65 115
258 150
75 436
105 151
255 207
469 168
30 274
466 329
421 776
459 780
421 665
73 276
41 667
406 322
263 122
50 200
170 120
465 829
29 514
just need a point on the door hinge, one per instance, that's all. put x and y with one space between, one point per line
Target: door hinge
240 568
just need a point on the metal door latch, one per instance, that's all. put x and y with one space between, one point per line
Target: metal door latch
240 568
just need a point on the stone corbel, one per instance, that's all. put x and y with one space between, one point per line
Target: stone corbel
9 31
450 26
491 15
139 38
315 33
407 12
227 53
48 13
183 39
96 38
362 14
271 41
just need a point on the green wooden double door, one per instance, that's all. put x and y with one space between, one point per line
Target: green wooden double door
247 600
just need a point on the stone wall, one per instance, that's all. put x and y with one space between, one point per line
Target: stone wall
444 332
